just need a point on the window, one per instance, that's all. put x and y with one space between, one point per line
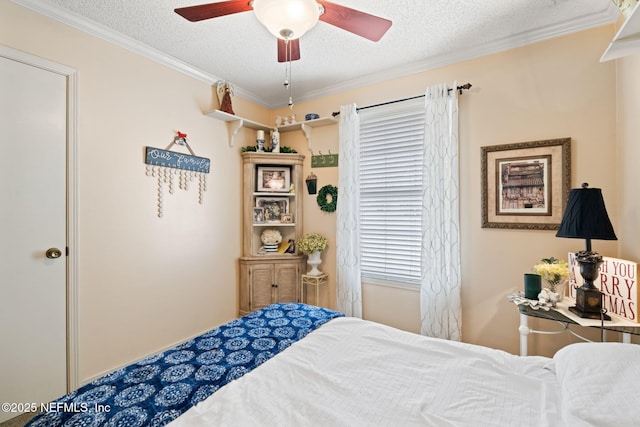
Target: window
391 141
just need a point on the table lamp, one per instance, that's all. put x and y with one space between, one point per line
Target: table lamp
585 217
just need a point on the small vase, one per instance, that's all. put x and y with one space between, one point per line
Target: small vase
557 287
314 261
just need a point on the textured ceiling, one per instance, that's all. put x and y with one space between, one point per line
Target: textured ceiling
237 48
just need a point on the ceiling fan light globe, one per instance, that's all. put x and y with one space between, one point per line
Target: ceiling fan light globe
287 19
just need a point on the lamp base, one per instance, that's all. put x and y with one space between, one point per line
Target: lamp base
586 315
589 304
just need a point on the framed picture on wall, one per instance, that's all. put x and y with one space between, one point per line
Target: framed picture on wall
273 179
525 185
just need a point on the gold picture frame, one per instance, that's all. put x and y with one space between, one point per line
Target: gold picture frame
525 185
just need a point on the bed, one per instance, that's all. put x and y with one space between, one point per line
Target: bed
300 365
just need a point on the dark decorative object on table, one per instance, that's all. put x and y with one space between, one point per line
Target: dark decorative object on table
311 116
586 218
532 285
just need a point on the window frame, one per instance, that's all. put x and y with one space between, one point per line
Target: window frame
402 126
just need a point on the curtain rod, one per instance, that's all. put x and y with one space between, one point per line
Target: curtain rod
459 88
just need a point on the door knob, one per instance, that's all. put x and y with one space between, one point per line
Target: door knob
53 253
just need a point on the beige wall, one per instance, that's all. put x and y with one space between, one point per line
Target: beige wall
146 282
547 90
628 91
628 103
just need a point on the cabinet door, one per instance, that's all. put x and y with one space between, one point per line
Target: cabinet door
262 281
287 278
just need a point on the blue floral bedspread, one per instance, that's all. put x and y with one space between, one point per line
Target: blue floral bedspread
156 390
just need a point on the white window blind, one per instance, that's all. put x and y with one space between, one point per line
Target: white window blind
391 141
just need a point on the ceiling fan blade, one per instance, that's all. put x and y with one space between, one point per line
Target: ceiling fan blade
361 23
294 50
213 10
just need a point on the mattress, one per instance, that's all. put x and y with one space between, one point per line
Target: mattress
352 372
300 365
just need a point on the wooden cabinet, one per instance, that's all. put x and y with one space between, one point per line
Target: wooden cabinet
264 282
268 276
256 166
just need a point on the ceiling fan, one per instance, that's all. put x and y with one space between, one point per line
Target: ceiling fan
289 20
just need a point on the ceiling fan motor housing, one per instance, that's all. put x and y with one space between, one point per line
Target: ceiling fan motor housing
287 19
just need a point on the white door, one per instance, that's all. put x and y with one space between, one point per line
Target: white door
33 135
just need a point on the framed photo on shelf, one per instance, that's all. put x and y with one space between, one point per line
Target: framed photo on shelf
286 218
525 185
273 179
273 207
258 215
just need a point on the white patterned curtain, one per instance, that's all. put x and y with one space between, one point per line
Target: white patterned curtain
440 305
348 282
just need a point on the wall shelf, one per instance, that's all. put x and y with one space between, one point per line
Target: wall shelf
307 125
235 123
627 40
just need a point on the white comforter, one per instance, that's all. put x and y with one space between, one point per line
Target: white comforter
352 372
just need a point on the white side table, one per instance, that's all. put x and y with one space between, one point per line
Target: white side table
624 327
311 288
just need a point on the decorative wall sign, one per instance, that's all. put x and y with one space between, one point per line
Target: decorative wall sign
170 159
324 160
618 283
167 166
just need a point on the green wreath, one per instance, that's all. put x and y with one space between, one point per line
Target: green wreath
328 190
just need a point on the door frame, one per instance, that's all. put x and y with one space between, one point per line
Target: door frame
71 203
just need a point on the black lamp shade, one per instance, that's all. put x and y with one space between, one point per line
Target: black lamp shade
586 216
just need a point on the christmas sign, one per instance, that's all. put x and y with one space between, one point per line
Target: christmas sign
617 281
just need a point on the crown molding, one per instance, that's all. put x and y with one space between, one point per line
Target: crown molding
91 27
606 16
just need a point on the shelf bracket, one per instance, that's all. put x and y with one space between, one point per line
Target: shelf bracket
233 127
307 133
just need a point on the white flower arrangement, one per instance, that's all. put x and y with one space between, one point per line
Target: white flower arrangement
553 271
312 242
271 236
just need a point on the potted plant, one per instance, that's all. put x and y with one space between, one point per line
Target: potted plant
312 244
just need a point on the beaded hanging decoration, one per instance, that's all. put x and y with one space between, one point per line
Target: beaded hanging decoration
168 166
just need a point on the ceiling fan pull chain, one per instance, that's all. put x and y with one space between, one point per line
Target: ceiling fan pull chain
290 79
287 61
